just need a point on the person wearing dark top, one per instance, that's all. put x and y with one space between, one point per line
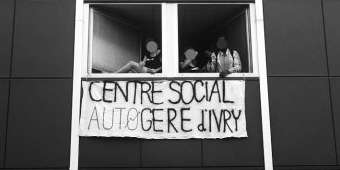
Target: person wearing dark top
150 64
153 61
189 63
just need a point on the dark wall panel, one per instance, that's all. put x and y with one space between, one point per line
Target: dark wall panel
6 18
40 169
3 118
109 152
240 152
335 86
332 27
301 121
39 121
294 37
87 1
171 153
181 168
43 41
307 168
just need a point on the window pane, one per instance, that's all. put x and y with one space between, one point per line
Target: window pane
126 38
213 38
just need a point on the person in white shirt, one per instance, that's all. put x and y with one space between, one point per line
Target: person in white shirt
228 60
222 59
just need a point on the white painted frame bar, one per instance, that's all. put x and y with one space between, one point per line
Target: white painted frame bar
88 33
169 39
253 38
87 72
262 65
77 73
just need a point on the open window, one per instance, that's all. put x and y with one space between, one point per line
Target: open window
214 38
156 40
123 37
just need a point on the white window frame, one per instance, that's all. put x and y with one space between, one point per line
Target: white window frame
170 55
87 57
80 64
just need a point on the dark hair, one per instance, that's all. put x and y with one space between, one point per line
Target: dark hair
146 40
222 35
224 42
187 48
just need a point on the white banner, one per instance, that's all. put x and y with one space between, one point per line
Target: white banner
163 109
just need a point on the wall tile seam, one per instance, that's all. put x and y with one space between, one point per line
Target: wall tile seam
9 84
329 82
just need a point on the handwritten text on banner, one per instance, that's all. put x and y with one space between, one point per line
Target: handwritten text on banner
163 109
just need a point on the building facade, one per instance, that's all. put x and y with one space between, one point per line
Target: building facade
36 85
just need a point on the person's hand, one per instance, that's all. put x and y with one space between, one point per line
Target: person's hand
186 63
192 57
224 73
142 63
153 71
158 51
190 54
231 70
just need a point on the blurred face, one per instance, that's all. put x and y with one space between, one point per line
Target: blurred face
151 46
190 54
221 43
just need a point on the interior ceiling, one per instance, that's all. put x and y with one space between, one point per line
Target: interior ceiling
145 17
194 19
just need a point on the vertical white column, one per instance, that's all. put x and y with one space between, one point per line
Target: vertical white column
169 39
77 71
87 45
261 52
253 39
